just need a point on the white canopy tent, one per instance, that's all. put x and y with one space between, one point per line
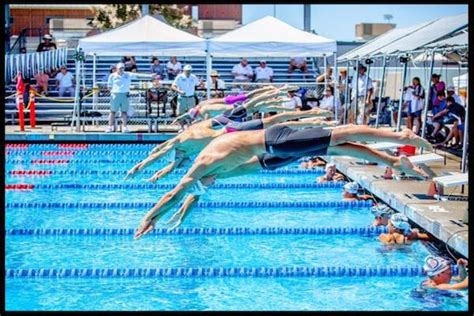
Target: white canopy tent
270 37
461 81
146 36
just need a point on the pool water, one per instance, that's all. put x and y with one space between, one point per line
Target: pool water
101 251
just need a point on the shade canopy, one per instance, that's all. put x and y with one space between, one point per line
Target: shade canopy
401 40
461 81
454 41
145 36
270 37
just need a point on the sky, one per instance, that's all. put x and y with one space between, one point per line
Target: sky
338 21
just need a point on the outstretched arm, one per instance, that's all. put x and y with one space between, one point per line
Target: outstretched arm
150 159
251 103
258 91
164 171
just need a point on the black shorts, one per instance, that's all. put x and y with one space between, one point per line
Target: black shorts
283 141
251 125
272 162
220 121
238 114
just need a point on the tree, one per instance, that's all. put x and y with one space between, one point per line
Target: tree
388 17
113 15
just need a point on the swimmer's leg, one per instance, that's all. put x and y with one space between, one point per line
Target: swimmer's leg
357 133
401 164
169 168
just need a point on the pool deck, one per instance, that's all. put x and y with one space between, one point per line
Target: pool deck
439 218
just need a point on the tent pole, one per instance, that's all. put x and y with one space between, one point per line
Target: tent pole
400 102
427 96
208 69
94 81
336 90
466 129
75 115
382 86
325 69
365 94
347 102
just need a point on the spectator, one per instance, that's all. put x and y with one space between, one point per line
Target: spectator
329 102
295 103
350 193
437 120
119 85
263 73
439 274
130 63
173 67
321 82
65 81
331 174
156 93
452 93
416 106
217 85
113 68
342 82
407 98
47 44
23 50
381 214
436 87
158 68
185 84
364 91
298 63
242 72
453 114
41 82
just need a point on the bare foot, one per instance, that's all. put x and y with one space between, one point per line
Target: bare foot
415 140
405 165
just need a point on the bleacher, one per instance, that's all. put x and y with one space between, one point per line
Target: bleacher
48 111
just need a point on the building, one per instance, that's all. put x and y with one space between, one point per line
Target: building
215 19
368 31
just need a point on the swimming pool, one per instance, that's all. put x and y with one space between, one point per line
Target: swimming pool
269 241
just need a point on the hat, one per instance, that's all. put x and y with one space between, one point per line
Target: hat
351 187
400 222
214 73
47 36
434 265
435 76
380 210
330 165
188 67
263 61
399 217
120 65
451 88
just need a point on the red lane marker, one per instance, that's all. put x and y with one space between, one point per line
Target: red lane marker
17 146
31 172
19 186
74 146
49 162
58 153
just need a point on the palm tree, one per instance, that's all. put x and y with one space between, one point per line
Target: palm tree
388 17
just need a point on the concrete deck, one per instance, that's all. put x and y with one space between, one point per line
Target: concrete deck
439 218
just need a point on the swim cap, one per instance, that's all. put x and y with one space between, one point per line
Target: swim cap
399 217
194 112
381 209
400 222
351 187
330 165
434 265
120 66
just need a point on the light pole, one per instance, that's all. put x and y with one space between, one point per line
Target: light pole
145 9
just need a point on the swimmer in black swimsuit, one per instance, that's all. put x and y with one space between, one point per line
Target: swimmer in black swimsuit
235 154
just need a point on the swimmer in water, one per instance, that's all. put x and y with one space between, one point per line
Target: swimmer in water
381 214
351 193
236 154
400 232
439 274
331 174
192 140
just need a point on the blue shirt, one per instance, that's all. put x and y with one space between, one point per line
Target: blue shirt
440 107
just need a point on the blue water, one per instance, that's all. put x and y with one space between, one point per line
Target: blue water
158 251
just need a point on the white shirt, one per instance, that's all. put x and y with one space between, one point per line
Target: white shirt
65 81
263 73
327 104
220 84
186 84
120 83
174 67
247 70
294 103
361 86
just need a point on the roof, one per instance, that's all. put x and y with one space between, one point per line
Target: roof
270 37
407 39
457 40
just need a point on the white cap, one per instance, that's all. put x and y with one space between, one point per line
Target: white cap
120 65
330 165
48 37
351 187
188 67
450 88
263 61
